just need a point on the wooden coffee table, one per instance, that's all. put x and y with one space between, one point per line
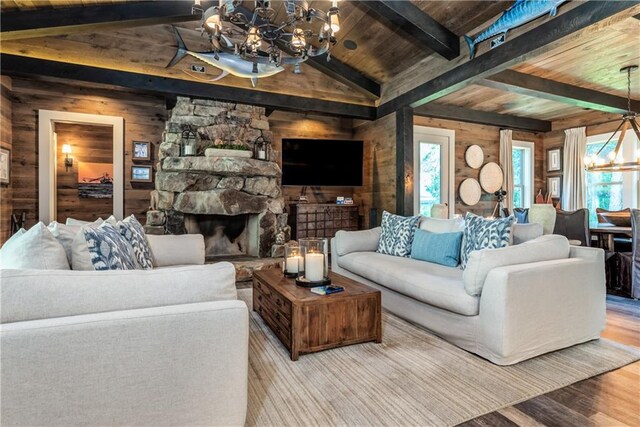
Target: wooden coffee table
305 322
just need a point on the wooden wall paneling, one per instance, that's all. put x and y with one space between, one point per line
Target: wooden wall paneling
144 117
300 125
93 144
6 141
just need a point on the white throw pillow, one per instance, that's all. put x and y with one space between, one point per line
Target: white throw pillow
8 243
65 234
34 249
440 225
79 222
480 263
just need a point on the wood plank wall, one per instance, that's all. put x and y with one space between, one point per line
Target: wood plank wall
144 118
379 136
89 143
6 141
300 125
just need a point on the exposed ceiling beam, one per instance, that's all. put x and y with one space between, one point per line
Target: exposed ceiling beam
526 84
419 25
334 68
13 64
49 21
508 54
451 112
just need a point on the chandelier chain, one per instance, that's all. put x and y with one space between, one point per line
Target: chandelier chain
629 90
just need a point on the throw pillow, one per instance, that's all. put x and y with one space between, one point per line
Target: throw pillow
439 248
65 234
79 222
35 249
108 249
397 234
481 233
133 232
441 225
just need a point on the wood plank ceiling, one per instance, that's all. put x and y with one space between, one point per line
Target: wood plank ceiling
385 54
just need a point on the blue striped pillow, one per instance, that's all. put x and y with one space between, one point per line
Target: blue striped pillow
439 248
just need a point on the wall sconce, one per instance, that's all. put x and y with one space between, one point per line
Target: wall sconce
68 161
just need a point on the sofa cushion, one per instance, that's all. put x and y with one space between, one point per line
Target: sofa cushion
481 233
171 250
397 234
108 249
39 294
133 232
521 233
544 248
357 241
440 225
439 248
36 249
429 283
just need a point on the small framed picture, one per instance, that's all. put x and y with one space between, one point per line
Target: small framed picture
5 166
554 160
554 186
141 150
141 174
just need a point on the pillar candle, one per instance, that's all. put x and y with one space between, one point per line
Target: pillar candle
314 267
293 263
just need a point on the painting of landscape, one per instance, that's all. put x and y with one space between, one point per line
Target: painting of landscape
95 180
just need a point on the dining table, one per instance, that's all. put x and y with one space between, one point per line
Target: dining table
605 233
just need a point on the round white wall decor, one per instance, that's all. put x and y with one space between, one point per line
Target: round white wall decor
474 156
470 192
491 177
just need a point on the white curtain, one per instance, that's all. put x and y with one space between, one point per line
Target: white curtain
506 154
574 187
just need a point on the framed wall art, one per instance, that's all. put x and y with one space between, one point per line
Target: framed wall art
141 174
5 166
554 160
554 186
141 150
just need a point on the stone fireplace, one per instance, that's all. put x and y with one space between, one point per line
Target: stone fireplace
234 202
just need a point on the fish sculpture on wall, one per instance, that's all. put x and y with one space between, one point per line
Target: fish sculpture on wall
520 13
227 62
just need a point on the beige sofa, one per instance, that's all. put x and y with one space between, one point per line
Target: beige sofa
509 305
167 346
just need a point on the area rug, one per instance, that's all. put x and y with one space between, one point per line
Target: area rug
412 378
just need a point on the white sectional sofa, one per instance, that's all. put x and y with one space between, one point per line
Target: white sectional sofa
167 346
509 305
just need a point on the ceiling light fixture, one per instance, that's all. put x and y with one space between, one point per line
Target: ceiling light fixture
265 36
615 162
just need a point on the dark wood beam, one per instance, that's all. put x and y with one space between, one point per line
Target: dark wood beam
417 24
13 64
526 84
50 21
334 68
451 112
404 161
508 54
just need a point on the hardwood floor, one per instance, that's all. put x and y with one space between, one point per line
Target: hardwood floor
611 399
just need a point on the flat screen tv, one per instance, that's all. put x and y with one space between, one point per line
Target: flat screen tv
322 162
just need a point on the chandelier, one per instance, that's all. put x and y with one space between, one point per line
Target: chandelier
615 161
276 32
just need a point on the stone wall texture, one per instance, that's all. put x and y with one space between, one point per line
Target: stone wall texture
217 185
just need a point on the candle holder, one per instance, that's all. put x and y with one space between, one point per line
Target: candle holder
292 260
314 269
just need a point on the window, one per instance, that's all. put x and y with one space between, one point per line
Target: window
433 157
611 190
522 161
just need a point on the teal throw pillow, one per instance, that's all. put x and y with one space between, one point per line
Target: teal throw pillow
438 248
397 234
481 233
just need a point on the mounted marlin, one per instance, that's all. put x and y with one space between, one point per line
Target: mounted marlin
227 62
520 13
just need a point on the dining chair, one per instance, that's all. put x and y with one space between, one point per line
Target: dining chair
574 226
628 274
545 215
621 218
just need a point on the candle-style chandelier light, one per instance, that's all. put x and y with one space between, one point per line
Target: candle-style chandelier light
615 161
276 32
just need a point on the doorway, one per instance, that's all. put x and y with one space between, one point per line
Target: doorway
58 130
434 156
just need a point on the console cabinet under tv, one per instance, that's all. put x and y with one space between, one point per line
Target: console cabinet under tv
321 219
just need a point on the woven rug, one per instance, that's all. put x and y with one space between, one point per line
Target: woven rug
412 378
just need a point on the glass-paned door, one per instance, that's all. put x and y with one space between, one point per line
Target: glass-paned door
432 156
